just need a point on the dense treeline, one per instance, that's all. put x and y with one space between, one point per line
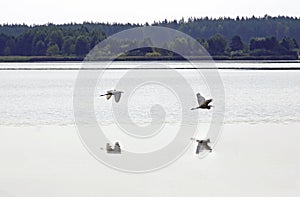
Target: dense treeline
216 45
246 28
263 36
50 40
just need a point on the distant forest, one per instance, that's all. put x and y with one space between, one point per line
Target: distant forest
248 38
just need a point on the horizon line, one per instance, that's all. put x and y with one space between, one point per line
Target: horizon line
185 20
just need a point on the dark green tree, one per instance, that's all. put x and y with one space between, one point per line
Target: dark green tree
96 37
24 44
68 46
52 50
236 43
39 34
55 37
3 40
10 47
82 46
296 43
39 48
288 43
217 44
203 42
269 43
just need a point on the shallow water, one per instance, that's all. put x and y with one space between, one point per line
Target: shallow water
42 97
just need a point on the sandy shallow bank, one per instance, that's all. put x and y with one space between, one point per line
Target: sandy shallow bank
249 160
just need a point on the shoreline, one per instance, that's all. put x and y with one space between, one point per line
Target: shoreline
286 59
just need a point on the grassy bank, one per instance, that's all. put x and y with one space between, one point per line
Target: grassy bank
38 58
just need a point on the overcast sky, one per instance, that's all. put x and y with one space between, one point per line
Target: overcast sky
136 11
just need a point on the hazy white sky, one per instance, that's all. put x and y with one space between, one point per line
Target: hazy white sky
137 11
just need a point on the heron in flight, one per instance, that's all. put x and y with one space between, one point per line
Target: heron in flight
115 93
203 103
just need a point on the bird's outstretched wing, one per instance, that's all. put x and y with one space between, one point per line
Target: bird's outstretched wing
108 96
200 99
117 96
206 102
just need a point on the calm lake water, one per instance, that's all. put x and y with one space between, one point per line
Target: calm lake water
42 96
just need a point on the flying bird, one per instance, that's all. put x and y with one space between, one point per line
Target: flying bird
202 145
203 103
115 93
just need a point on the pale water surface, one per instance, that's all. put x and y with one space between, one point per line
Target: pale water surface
43 97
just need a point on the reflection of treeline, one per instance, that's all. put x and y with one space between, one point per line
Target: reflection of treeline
223 37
